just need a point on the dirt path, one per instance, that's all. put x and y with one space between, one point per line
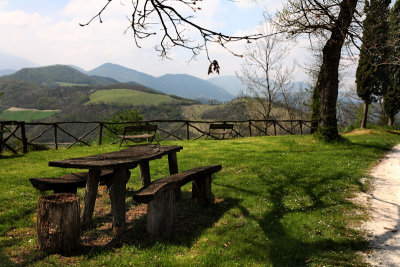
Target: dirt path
383 229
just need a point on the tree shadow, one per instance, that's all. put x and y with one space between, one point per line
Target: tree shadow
13 156
286 246
189 222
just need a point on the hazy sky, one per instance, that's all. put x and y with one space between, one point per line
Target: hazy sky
47 32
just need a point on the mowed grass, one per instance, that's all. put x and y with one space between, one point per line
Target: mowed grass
26 115
281 201
128 97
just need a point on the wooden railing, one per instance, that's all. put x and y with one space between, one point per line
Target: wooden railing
35 134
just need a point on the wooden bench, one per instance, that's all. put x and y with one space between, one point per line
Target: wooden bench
70 182
160 195
214 129
138 133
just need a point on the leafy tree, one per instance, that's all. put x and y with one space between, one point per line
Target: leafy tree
130 115
392 96
371 75
332 21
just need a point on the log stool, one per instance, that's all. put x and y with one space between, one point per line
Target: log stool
58 223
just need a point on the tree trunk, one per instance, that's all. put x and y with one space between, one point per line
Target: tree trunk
365 116
315 110
58 223
328 77
391 121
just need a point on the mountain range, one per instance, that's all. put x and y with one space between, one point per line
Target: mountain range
182 85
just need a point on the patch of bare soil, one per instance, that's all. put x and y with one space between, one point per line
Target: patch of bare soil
383 204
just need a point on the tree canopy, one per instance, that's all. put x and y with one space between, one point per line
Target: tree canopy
392 95
334 22
371 75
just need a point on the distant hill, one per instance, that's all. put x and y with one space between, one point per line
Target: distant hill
78 68
57 75
123 74
177 84
7 72
8 61
192 87
230 83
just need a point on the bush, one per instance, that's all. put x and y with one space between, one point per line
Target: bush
130 115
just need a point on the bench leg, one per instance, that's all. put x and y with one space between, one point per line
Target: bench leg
173 169
90 197
160 215
117 196
201 190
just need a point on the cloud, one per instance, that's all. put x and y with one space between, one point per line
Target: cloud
60 39
245 3
3 4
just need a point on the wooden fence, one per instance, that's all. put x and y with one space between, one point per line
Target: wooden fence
18 135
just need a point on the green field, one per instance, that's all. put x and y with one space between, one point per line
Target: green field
70 84
128 97
280 201
26 115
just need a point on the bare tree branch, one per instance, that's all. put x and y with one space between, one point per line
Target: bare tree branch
175 27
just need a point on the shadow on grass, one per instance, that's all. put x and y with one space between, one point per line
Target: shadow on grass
305 241
14 156
190 221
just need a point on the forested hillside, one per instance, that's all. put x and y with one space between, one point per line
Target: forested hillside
57 75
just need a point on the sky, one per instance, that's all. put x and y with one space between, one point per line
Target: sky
47 32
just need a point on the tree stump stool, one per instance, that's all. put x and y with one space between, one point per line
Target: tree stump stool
58 223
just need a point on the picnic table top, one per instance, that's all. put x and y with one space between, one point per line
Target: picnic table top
126 158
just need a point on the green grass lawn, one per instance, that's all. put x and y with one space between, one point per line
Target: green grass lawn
26 115
128 97
281 201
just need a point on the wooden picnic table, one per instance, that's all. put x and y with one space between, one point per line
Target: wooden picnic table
120 161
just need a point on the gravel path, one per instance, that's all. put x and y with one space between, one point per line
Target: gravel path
383 230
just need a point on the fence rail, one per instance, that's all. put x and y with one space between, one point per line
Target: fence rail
16 136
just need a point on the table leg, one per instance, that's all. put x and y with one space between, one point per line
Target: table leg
145 173
90 197
117 196
173 169
173 163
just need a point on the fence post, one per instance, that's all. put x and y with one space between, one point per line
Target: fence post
274 127
301 127
55 136
101 134
24 139
187 130
250 128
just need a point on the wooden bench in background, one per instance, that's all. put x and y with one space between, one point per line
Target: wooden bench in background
138 133
220 130
160 195
70 182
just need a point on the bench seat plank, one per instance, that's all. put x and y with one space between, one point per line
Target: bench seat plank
67 182
139 136
149 193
